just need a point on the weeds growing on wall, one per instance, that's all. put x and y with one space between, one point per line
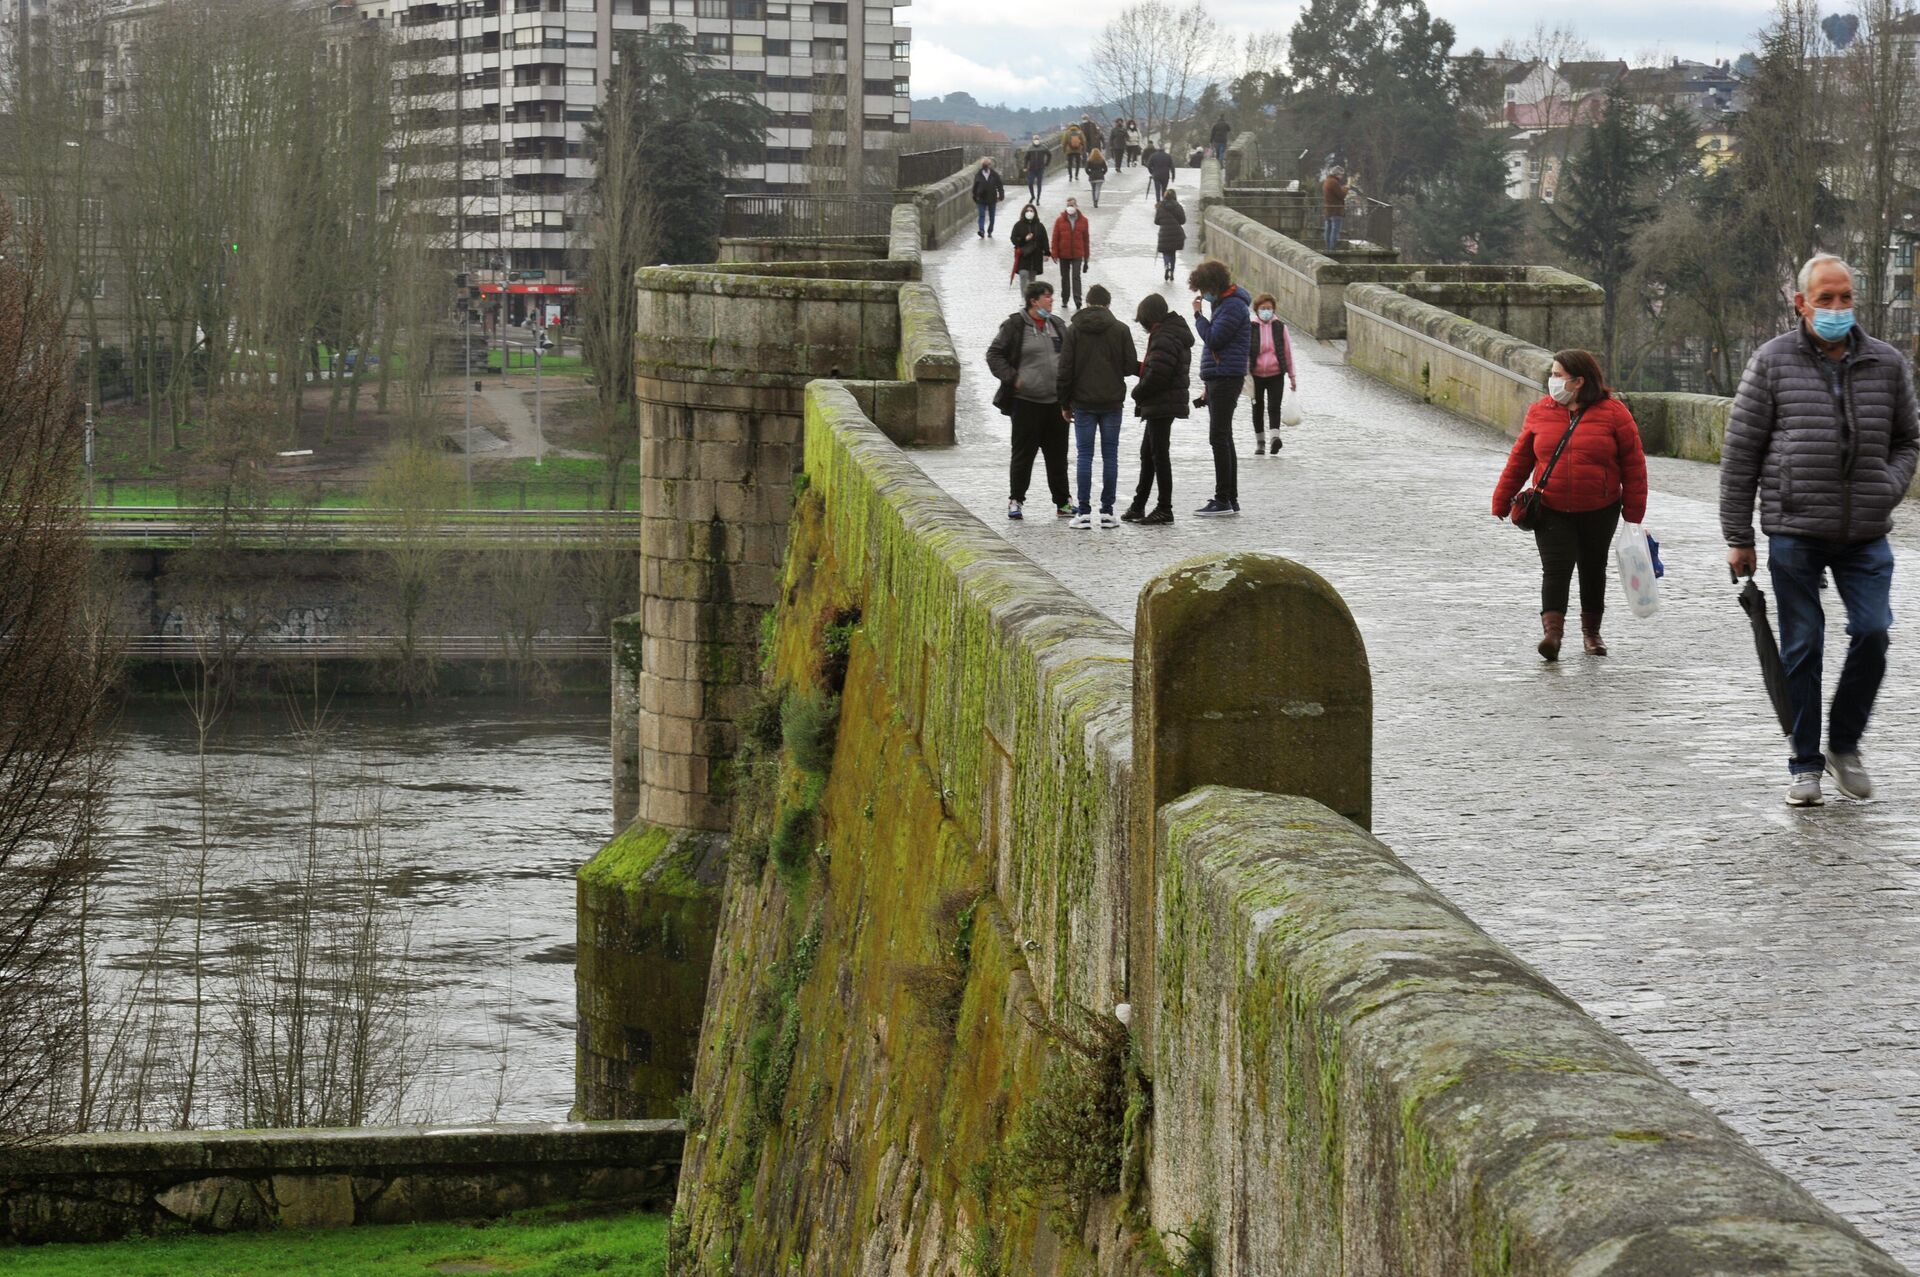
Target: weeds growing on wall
836 649
809 723
1066 1149
776 1033
937 987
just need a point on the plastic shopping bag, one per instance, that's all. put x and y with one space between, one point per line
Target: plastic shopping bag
1635 557
1290 410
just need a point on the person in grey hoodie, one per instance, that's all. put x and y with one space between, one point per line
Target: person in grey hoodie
1024 358
1824 429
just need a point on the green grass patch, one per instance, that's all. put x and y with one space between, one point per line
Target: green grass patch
522 361
531 1244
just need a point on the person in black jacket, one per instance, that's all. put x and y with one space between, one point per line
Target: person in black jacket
1160 169
1095 361
1221 134
1035 161
1024 357
988 191
1172 237
1029 246
1158 397
1117 142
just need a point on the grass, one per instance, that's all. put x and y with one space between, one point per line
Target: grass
531 1244
522 360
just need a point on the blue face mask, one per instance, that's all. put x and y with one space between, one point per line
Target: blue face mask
1043 312
1832 325
1211 298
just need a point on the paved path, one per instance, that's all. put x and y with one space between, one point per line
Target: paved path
1630 840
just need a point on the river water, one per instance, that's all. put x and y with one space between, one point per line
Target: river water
479 811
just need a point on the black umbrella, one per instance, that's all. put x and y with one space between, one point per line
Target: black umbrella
1772 672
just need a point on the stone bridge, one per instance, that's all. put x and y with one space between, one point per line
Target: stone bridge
1044 946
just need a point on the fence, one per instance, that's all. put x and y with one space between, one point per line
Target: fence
295 493
802 214
918 168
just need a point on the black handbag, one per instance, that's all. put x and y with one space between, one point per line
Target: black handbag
1524 513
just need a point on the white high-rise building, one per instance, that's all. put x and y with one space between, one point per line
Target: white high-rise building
511 198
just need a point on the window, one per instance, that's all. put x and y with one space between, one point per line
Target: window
778 48
902 50
580 37
835 50
749 11
710 43
713 8
747 46
877 88
580 76
580 6
903 88
830 13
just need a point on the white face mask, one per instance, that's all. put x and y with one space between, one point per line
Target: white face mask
1072 211
1557 390
1266 314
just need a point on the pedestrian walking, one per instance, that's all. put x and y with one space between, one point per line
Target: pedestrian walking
1076 148
1117 144
1029 247
1096 173
1333 197
988 191
1225 339
1171 218
1160 169
1272 349
1219 136
1024 356
1095 138
1600 475
1159 397
1823 429
1035 162
1095 361
1134 140
1072 248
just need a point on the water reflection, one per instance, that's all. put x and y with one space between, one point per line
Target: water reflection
485 809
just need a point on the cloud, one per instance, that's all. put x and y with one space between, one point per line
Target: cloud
939 70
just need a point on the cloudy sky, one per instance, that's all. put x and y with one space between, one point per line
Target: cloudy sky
1030 52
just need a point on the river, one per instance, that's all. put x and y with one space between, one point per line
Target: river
462 822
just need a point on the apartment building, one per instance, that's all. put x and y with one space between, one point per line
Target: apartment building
500 93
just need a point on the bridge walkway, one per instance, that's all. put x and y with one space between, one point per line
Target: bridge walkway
1618 822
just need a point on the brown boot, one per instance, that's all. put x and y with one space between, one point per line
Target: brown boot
1590 634
1554 625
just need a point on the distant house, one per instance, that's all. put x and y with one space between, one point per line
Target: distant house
1536 161
1539 96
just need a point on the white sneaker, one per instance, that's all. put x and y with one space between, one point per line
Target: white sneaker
1081 521
1804 790
1108 519
1850 775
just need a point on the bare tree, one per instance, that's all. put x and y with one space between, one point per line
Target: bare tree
1155 57
1877 90
51 691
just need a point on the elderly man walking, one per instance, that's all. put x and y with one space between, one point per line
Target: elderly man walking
1823 428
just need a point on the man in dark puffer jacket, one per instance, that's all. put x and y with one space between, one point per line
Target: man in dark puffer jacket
1824 428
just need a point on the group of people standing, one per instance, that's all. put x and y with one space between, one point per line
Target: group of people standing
1054 375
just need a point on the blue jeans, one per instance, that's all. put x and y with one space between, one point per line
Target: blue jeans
1220 151
1034 182
1334 226
984 223
1108 422
1863 574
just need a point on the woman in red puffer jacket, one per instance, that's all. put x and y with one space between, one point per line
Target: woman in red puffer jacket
1601 475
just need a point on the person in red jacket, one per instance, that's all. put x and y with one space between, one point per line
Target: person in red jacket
1601 475
1071 247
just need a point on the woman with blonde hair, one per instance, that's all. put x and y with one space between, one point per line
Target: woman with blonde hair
1096 173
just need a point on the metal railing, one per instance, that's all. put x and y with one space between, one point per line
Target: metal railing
340 647
759 216
337 526
1373 223
921 168
349 496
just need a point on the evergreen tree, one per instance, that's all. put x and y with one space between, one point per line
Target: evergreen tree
691 123
1465 213
1602 203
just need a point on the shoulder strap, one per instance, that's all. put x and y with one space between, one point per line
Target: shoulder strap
1554 460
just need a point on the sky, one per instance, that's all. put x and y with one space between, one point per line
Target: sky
1028 53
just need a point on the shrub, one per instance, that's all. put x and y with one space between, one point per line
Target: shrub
1066 1148
793 838
809 722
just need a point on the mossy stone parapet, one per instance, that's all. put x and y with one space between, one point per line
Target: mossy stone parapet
1680 425
1468 368
89 1188
802 248
1349 1076
648 911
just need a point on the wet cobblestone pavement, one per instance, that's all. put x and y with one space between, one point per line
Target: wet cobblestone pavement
1616 821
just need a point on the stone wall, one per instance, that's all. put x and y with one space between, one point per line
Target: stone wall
1677 425
817 248
1467 368
90 1188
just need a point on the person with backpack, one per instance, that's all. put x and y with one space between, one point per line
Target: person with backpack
1272 360
988 191
1029 247
1171 218
1035 162
1225 339
1072 249
1159 398
1076 146
1024 357
1096 172
1160 169
1095 138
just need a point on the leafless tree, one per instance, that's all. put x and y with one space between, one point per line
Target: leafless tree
1877 90
52 658
1155 57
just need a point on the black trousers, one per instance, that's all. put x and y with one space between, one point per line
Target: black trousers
1268 392
1223 398
1156 462
1039 428
1569 541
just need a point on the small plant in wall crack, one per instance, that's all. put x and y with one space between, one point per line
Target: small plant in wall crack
1067 1147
